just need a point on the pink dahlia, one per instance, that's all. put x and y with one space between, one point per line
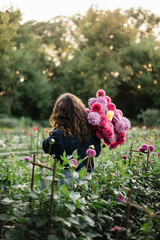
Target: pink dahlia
111 106
121 198
108 133
104 121
127 123
75 161
117 117
97 107
99 134
103 101
144 146
116 228
120 112
27 158
151 148
121 141
121 135
88 111
125 157
94 118
141 150
91 101
91 152
108 99
119 126
113 145
100 93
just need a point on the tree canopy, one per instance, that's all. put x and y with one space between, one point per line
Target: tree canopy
113 50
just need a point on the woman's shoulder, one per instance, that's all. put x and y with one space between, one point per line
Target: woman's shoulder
57 132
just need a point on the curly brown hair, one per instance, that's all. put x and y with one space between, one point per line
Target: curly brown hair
69 115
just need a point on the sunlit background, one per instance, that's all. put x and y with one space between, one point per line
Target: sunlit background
47 9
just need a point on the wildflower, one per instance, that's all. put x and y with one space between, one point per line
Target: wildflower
141 150
97 107
94 118
116 228
27 158
144 127
110 115
75 161
35 129
100 93
3 145
121 198
134 128
29 134
156 154
150 161
144 146
125 157
111 106
91 152
130 136
149 140
151 148
46 130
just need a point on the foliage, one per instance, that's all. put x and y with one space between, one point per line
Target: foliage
116 51
150 117
85 206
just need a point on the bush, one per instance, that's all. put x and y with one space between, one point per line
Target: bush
150 117
11 122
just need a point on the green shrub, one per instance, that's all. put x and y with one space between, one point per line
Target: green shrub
150 117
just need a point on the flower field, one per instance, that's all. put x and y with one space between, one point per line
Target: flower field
120 199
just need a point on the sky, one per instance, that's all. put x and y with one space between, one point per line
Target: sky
43 10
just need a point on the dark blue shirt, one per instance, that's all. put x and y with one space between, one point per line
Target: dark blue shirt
69 145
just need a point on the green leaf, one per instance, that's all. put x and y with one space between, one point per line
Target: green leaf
4 217
75 196
52 237
7 201
71 207
89 220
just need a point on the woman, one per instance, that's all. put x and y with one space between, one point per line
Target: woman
71 130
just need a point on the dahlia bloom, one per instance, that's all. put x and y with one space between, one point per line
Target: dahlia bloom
141 150
144 146
97 107
111 106
94 118
121 135
99 134
113 145
108 133
27 158
120 112
151 148
121 141
116 228
91 152
110 115
103 101
101 93
88 110
119 126
125 157
108 99
75 161
121 198
91 101
127 123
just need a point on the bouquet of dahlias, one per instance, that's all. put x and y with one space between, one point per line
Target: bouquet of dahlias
109 122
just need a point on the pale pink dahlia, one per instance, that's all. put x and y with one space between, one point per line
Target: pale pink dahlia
91 101
127 123
94 118
119 126
91 152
